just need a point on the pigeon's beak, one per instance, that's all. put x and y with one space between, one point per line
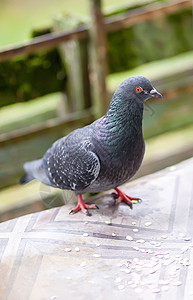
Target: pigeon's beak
154 93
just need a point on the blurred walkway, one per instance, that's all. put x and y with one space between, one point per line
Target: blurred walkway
117 253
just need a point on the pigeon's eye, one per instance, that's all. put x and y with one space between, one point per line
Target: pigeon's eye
138 89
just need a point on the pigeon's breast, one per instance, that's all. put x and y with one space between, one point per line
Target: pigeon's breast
119 162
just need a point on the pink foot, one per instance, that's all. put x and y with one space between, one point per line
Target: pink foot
120 196
82 206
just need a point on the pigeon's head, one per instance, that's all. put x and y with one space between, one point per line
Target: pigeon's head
139 88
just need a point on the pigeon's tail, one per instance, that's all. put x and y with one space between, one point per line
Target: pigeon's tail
34 170
25 179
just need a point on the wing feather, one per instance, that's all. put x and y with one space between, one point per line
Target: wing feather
71 162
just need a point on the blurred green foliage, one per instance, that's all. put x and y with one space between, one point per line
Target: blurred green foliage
148 41
31 76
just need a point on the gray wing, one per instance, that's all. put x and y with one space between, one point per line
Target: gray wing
71 162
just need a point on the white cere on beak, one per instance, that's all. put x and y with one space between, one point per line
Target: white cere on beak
153 91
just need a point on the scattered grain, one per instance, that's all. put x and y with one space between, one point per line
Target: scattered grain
83 264
156 291
121 287
177 283
140 241
67 250
96 255
163 282
164 236
165 288
187 239
147 224
85 234
136 248
108 222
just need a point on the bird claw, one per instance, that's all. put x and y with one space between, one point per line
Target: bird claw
87 213
75 210
130 205
136 200
83 207
115 195
120 196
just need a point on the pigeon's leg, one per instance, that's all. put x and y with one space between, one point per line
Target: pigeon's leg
120 196
82 206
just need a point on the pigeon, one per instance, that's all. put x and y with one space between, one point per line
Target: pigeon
102 155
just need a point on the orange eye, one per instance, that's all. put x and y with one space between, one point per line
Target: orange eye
138 89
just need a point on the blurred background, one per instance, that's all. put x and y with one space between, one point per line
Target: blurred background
49 91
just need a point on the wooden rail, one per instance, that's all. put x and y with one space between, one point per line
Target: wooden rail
111 23
146 13
43 42
76 118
